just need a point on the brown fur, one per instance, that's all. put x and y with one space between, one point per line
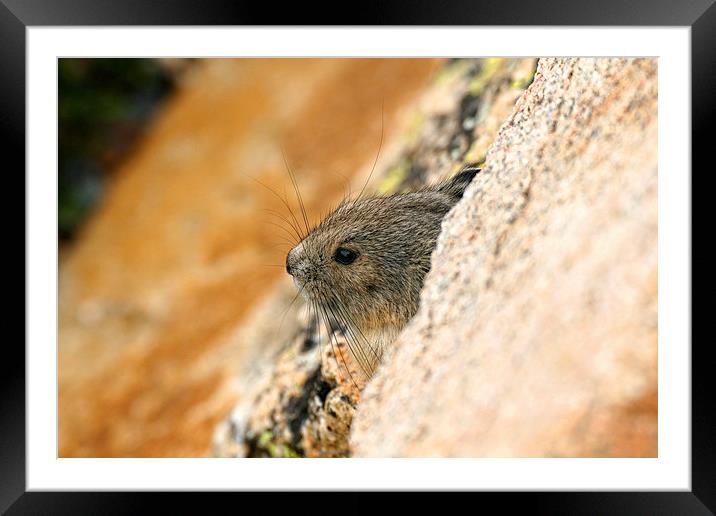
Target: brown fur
372 298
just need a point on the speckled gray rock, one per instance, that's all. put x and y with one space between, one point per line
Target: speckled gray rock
537 332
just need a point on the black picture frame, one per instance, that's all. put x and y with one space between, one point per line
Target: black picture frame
17 15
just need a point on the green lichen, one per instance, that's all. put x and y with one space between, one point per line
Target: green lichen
394 177
276 450
473 156
451 70
290 453
521 83
489 67
265 438
415 126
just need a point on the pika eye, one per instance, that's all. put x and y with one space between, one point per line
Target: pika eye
345 256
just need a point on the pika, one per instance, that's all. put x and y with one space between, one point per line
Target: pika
362 267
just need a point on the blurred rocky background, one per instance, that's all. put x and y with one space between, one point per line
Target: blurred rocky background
170 215
104 106
180 334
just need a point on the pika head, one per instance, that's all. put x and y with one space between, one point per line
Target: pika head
362 267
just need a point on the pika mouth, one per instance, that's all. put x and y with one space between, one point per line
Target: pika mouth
298 284
303 287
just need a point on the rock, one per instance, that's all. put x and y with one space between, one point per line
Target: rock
537 331
302 405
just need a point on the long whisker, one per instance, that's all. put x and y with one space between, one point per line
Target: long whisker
289 307
284 245
292 176
330 335
353 344
284 242
353 327
284 219
285 203
291 239
326 305
380 146
317 316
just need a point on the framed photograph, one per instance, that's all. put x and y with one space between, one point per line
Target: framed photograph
429 248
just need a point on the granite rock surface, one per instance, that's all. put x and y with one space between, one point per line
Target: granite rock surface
537 331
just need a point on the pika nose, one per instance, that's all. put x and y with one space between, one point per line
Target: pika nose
295 261
292 260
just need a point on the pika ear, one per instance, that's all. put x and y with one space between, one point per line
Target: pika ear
455 186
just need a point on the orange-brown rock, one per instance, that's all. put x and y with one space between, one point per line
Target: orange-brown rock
183 244
537 331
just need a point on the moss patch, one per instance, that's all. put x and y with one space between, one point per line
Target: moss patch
394 177
415 126
451 71
475 155
489 68
521 83
265 442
